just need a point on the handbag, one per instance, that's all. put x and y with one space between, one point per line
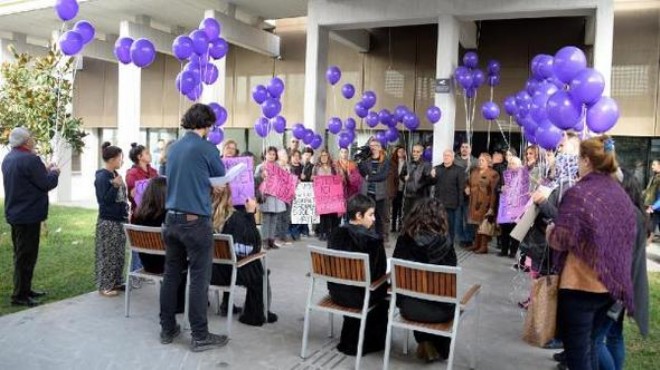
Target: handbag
486 228
541 320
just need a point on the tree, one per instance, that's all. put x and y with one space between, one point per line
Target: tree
34 93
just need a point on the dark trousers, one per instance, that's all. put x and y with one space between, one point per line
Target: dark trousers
25 238
329 222
428 312
397 214
451 223
193 240
509 244
408 204
251 276
381 215
579 316
464 231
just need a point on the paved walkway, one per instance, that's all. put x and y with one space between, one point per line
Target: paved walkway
91 332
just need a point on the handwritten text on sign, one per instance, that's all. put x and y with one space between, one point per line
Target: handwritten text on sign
303 209
242 187
329 195
514 197
280 183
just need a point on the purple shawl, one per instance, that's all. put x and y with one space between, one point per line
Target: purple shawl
597 223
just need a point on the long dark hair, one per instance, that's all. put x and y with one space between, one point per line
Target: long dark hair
152 206
428 215
633 188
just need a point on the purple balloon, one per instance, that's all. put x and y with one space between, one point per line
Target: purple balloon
493 67
279 124
308 137
568 62
348 91
271 107
182 47
86 30
392 134
490 111
316 142
216 136
428 154
66 9
493 80
478 78
460 71
545 88
548 137
275 87
210 74
384 116
259 94
382 138
563 112
350 123
344 139
544 68
510 105
143 53
470 93
200 41
261 127
351 134
471 59
603 115
220 113
538 108
411 121
186 82
218 48
298 131
588 86
372 119
71 42
531 85
523 100
466 80
534 63
369 99
580 126
334 125
195 93
211 27
530 136
400 111
333 75
361 110
123 49
433 114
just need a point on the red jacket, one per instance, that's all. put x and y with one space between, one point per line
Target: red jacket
134 174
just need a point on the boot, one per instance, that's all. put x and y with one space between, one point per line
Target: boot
482 242
272 245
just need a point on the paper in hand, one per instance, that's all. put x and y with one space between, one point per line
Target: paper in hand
229 176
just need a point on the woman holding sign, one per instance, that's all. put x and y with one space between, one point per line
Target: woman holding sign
271 207
325 168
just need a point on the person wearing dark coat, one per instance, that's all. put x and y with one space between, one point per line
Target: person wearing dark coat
425 239
27 183
357 236
418 180
449 181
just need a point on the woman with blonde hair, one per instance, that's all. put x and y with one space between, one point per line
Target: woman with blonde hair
242 226
481 187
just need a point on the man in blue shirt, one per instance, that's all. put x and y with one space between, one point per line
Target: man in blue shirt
188 229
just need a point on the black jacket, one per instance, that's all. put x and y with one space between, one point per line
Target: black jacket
354 238
419 179
449 185
27 183
113 203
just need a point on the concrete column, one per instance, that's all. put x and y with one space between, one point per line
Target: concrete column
216 92
446 59
316 62
604 38
128 103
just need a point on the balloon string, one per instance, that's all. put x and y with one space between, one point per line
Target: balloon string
180 95
490 122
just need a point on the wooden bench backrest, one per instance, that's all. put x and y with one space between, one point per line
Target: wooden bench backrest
338 267
434 283
223 248
146 240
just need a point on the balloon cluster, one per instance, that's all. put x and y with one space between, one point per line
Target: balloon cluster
199 48
268 97
73 41
470 77
217 134
561 94
140 52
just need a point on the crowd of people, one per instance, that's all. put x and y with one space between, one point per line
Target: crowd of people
590 228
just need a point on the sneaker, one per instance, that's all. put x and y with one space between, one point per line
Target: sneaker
559 356
272 318
211 341
554 343
167 338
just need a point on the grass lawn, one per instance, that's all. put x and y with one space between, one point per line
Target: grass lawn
642 354
65 267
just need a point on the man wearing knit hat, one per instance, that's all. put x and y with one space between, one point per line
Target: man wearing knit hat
27 183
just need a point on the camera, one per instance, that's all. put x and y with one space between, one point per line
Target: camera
362 153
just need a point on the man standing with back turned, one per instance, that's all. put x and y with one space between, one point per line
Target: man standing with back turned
27 183
188 230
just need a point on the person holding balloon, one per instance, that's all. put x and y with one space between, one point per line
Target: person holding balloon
480 187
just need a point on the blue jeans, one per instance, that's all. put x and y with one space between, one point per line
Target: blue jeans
192 240
580 315
451 223
136 262
464 231
610 345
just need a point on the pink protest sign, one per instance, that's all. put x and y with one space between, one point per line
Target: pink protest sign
329 195
140 187
280 183
514 196
242 186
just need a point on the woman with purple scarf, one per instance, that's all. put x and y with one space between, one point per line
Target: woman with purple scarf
595 229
